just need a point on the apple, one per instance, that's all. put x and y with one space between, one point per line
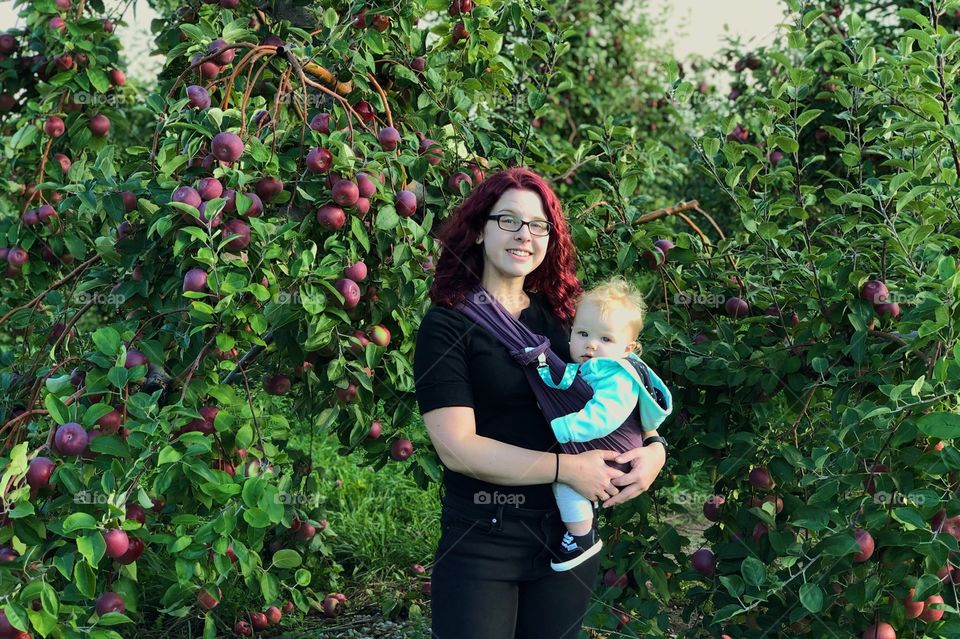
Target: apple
135 512
704 562
187 195
195 280
242 629
406 203
401 449
932 614
198 97
760 478
135 358
350 292
356 272
209 188
664 246
110 602
274 615
319 160
240 228
99 125
459 7
366 186
305 532
375 430
712 507
207 600
57 23
380 335
321 123
879 631
63 161
331 217
259 621
912 609
117 543
8 554
54 126
875 292
276 384
268 187
39 471
654 258
226 57
70 439
418 64
63 62
865 541
17 257
612 580
459 33
345 193
455 180
891 309
736 307
759 530
417 569
346 395
433 149
227 147
329 606
389 138
117 77
365 110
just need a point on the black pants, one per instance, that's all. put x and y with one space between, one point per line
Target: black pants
492 577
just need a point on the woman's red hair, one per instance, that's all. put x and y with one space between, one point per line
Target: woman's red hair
460 265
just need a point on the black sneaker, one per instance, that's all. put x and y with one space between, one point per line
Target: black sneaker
574 550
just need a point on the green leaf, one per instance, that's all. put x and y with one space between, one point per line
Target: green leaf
85 579
628 186
940 425
168 455
753 571
330 18
58 410
811 596
269 586
107 341
79 521
287 558
387 218
181 544
209 627
92 547
808 116
17 616
256 518
303 577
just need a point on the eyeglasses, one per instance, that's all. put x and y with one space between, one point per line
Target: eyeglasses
513 223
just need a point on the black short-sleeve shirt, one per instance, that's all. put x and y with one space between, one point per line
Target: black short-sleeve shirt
458 363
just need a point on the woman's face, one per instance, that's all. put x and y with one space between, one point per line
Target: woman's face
513 254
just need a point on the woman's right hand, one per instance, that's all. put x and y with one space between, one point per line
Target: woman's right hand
589 475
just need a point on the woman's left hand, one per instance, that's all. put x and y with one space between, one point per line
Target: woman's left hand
646 464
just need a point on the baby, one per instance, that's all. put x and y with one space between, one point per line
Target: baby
628 398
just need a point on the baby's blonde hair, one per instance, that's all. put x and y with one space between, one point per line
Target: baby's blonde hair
618 293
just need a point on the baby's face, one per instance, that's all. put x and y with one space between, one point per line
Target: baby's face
596 336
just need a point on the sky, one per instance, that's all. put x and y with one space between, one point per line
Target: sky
693 27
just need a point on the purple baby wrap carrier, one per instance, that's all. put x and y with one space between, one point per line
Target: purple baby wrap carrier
526 347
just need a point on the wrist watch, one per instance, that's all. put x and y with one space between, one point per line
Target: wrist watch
657 438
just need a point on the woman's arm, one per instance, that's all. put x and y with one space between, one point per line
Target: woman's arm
453 432
647 461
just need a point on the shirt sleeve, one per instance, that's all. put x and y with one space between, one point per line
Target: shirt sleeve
440 371
614 398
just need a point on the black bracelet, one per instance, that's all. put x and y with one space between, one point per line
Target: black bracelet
557 475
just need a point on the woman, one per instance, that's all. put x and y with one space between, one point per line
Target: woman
492 576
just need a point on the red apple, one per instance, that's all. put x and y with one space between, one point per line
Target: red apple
401 449
879 631
117 543
932 614
71 439
356 272
866 543
375 430
110 602
350 292
207 600
380 335
704 562
331 217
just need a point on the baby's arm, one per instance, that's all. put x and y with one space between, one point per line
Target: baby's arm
614 398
